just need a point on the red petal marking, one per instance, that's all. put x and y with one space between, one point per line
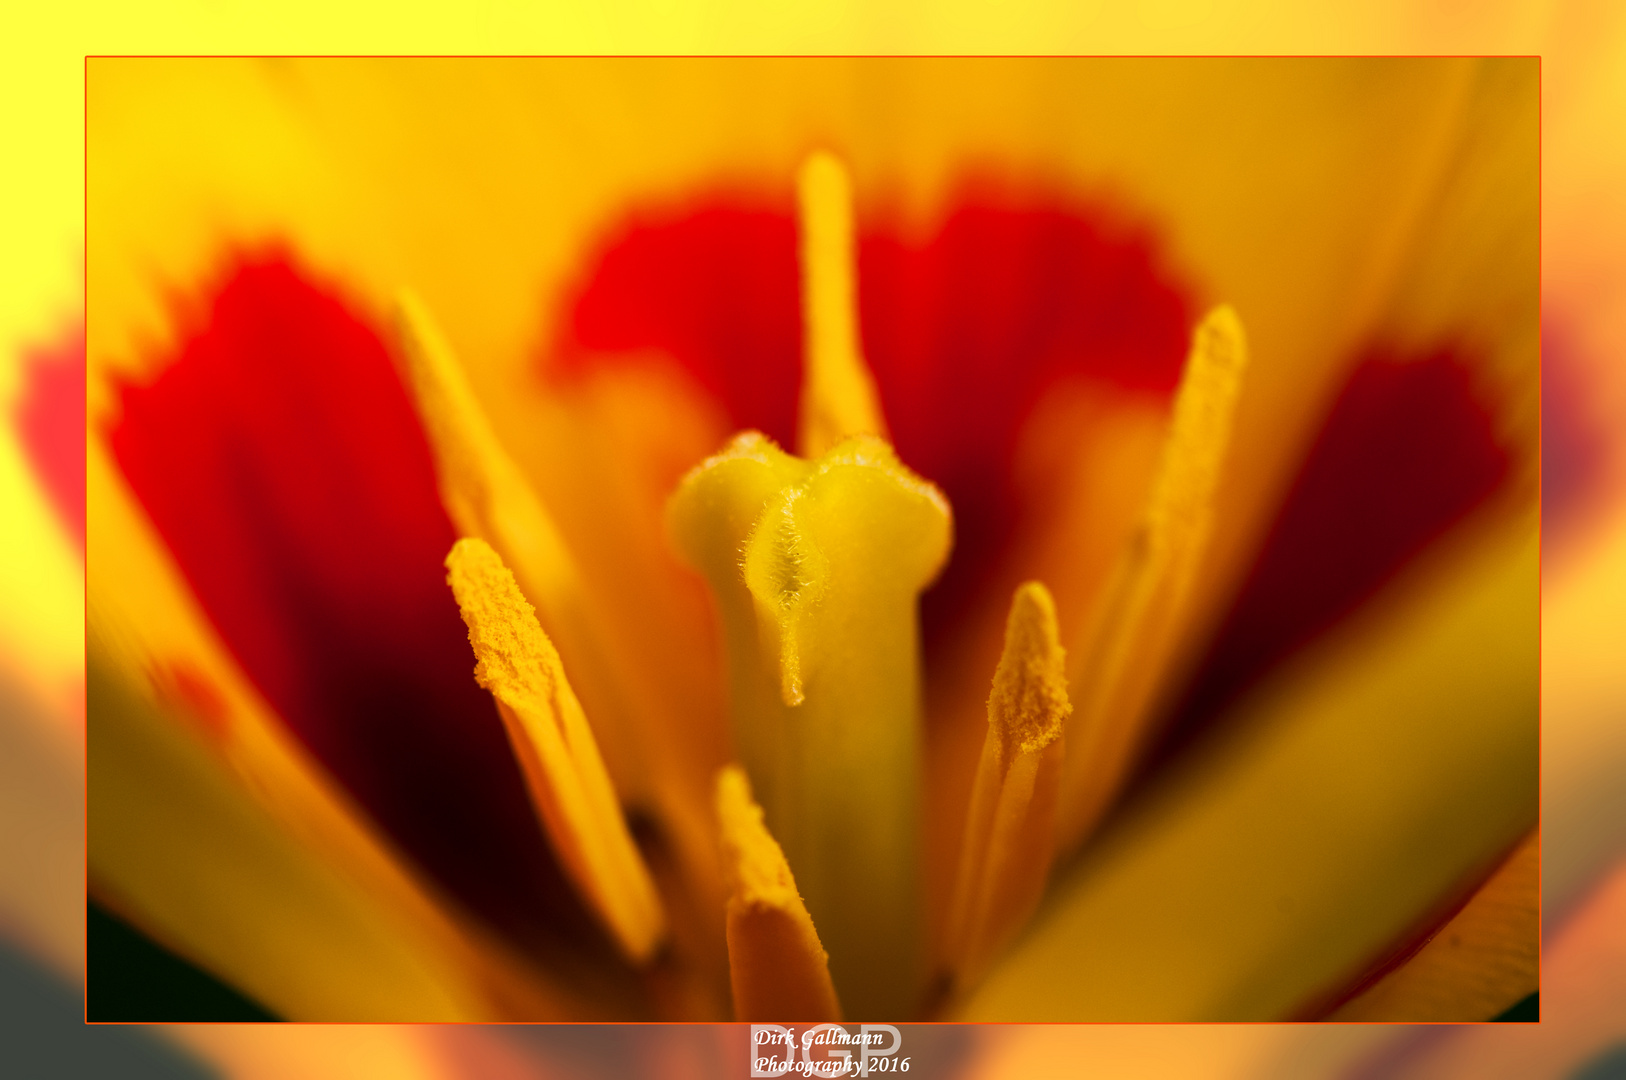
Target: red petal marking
282 463
1575 434
718 290
51 424
966 333
1406 452
963 334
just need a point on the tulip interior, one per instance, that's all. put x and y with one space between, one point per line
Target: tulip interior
807 882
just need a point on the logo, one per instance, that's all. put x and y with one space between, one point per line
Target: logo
826 1050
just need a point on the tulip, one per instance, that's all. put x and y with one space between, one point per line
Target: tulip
1263 720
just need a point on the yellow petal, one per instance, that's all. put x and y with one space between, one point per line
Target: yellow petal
1480 963
177 845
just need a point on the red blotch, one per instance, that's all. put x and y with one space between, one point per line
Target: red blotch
283 465
966 333
50 416
1406 452
717 290
963 334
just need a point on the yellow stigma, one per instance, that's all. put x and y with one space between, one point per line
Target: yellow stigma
838 392
1134 633
816 568
777 967
563 771
788 576
1009 830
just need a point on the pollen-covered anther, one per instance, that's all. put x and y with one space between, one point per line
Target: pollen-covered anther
1005 855
777 967
564 773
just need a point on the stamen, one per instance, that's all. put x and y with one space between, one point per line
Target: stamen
487 496
1142 611
1008 842
482 488
778 968
566 778
823 645
838 392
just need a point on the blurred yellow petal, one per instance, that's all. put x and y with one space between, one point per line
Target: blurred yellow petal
341 1052
41 580
42 828
1583 700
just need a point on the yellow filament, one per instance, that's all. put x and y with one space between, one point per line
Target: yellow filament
777 967
482 487
838 392
566 778
1137 623
1005 856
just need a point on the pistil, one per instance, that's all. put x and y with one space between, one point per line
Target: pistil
820 623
